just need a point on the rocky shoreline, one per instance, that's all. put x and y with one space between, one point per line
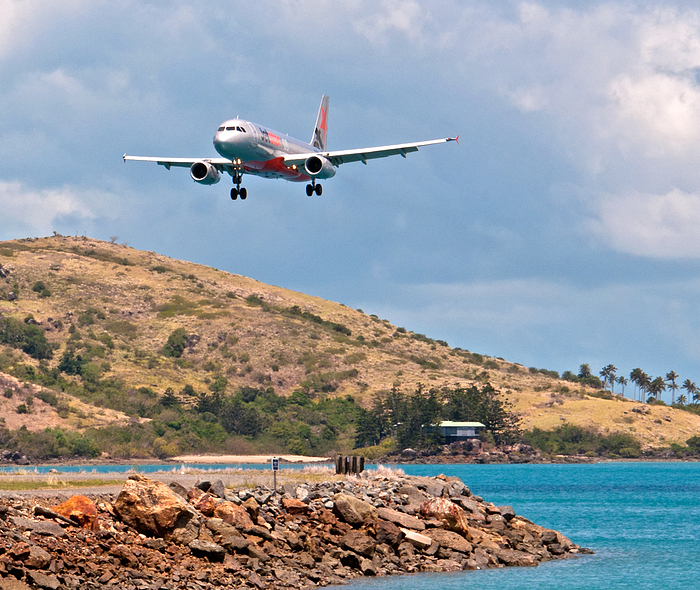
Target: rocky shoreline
157 536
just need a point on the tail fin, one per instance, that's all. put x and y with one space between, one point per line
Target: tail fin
321 129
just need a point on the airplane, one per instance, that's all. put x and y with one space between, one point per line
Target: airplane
249 148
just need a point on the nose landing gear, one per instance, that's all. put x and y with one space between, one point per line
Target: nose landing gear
237 179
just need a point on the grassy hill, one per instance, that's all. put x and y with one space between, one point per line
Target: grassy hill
124 326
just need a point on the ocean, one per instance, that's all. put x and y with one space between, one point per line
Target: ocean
641 519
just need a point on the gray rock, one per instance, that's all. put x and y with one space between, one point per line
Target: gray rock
41 527
507 512
211 551
401 519
218 489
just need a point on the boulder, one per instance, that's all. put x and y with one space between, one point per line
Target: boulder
507 512
32 556
294 506
415 496
252 507
447 511
513 557
227 535
388 532
353 510
151 507
401 519
179 489
211 551
359 542
416 539
81 510
206 504
450 540
233 514
40 527
40 580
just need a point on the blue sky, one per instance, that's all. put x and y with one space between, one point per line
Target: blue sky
564 229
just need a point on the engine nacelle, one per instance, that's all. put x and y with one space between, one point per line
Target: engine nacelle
204 173
319 167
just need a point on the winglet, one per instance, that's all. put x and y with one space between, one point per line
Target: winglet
457 139
124 156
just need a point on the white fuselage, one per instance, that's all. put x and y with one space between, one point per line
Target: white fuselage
260 150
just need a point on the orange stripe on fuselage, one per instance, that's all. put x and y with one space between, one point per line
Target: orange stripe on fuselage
276 168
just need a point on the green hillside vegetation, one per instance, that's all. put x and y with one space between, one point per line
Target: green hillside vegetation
140 355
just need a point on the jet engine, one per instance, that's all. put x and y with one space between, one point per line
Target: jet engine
204 173
319 167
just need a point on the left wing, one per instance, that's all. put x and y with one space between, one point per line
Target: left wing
339 157
221 164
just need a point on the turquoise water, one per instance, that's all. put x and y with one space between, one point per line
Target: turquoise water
641 519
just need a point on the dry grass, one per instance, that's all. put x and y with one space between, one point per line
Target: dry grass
142 297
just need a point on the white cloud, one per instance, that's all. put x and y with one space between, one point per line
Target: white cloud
38 211
24 20
654 226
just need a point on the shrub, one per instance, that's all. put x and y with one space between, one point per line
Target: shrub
176 343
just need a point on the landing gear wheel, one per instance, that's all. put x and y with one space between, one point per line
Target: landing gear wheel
244 194
234 194
319 190
309 190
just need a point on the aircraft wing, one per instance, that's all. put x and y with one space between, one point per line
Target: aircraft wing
339 157
221 164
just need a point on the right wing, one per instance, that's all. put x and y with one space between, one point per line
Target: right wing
221 164
339 157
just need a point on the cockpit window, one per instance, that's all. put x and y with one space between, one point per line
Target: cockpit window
242 129
230 128
221 128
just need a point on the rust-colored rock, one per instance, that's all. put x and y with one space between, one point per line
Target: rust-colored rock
253 508
206 504
81 510
233 514
151 507
294 506
447 511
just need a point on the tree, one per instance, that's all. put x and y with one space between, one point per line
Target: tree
608 375
622 381
671 380
644 384
682 399
584 371
691 388
656 387
636 378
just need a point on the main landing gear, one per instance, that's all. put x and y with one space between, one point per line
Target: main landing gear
314 188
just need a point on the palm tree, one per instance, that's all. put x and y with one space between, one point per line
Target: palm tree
657 386
691 388
644 384
584 371
636 378
622 381
608 375
671 380
682 399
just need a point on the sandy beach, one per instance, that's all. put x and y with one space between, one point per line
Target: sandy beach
247 459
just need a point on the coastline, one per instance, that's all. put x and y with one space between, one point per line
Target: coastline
313 532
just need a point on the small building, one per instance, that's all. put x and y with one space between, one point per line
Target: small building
456 431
